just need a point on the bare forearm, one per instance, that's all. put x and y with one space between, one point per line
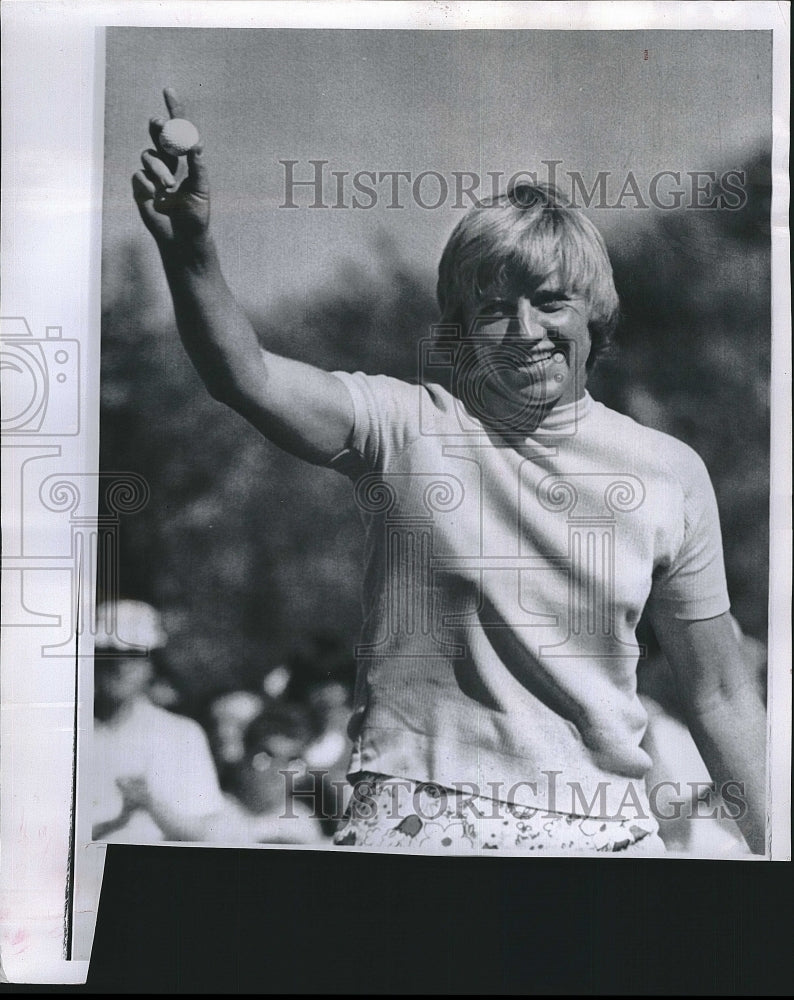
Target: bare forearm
731 737
235 825
215 331
720 691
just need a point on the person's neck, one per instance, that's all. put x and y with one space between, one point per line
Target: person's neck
121 713
564 415
554 417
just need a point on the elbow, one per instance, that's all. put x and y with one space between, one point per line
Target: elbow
219 391
225 389
233 384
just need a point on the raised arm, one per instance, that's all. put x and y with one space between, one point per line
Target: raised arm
302 409
724 708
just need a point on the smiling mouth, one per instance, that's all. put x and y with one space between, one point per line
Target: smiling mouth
534 360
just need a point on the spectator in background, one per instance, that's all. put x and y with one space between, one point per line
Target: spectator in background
322 675
275 681
273 768
228 717
154 777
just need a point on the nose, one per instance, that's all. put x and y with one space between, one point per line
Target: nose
530 321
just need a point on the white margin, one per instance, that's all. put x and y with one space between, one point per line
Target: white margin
52 168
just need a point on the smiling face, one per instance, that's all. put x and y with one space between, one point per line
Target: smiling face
525 281
530 351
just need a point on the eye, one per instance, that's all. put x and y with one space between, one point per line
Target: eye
497 309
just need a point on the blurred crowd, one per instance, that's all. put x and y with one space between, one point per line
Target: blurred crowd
260 765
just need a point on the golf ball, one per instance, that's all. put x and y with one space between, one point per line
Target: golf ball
178 136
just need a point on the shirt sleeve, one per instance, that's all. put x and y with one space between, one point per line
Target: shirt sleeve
693 585
387 418
183 778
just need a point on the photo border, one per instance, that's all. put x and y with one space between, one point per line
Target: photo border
51 222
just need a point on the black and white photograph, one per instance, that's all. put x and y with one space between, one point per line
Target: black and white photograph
445 361
397 459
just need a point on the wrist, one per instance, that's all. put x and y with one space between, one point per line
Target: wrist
196 254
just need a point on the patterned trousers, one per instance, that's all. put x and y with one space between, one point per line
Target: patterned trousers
395 814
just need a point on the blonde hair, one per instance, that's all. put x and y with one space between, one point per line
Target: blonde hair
520 239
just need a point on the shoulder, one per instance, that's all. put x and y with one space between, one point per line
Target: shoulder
388 389
651 447
159 722
389 416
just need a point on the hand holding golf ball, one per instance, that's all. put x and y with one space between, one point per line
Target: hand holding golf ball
178 137
172 190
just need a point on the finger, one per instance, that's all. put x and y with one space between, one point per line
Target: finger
197 175
175 107
163 197
156 169
155 128
145 195
143 189
158 173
